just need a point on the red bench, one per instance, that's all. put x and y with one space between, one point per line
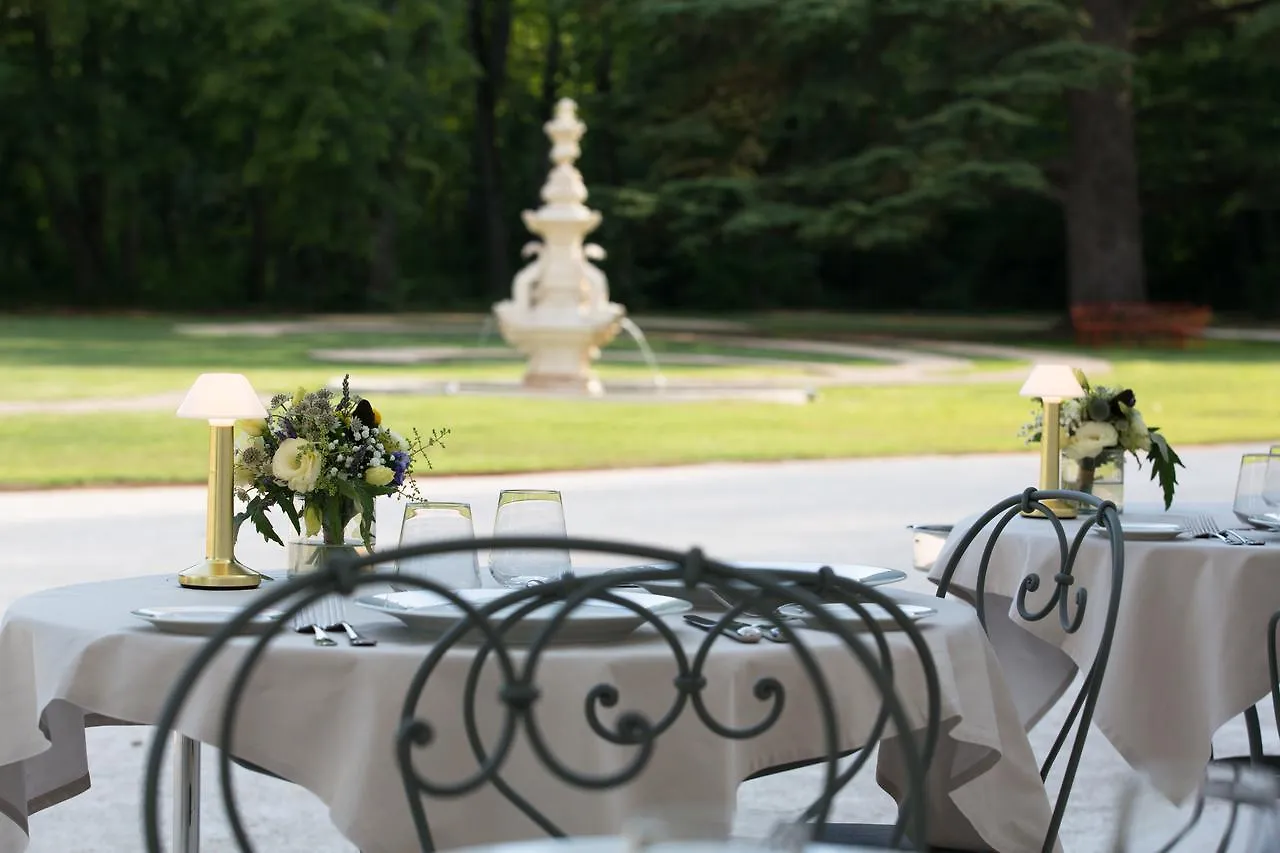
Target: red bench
1139 322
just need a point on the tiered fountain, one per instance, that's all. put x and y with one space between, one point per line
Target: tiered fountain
559 313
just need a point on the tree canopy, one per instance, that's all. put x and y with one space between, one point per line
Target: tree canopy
375 154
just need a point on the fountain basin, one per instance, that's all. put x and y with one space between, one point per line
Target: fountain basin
561 345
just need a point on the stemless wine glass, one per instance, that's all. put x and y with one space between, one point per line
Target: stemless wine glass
1271 483
439 521
1257 498
528 512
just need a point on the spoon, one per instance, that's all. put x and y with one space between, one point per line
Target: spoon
322 639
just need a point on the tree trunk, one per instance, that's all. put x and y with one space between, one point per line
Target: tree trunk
64 198
255 284
551 67
384 261
1103 209
490 35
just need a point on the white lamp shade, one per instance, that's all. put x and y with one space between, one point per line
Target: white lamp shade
1052 382
221 397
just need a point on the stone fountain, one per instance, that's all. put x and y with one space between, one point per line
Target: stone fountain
559 313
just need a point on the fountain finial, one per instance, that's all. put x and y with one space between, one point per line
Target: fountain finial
564 186
559 314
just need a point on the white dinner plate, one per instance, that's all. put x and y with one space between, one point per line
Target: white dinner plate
1147 530
704 599
658 605
877 616
427 613
203 620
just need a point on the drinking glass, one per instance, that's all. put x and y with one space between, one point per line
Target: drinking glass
439 521
528 512
1257 498
1271 483
304 556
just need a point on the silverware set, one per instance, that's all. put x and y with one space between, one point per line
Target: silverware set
1205 527
322 638
743 632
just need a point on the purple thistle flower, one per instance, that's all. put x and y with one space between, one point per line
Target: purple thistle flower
399 464
287 429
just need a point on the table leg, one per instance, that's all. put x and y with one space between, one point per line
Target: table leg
186 794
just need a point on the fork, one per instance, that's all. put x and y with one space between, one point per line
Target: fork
1244 540
353 636
1204 526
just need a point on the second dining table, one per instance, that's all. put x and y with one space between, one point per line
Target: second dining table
1190 647
324 718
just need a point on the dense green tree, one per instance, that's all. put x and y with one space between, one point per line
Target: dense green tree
369 154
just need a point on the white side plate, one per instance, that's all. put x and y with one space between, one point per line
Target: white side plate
705 600
1147 530
203 620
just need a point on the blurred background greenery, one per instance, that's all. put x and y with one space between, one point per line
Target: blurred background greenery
322 155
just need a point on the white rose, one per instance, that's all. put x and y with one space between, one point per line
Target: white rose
393 441
298 463
1090 439
1138 436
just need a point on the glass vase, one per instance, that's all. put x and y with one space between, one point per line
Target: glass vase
314 554
1101 476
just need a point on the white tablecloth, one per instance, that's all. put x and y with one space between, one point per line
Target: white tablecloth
1190 649
323 718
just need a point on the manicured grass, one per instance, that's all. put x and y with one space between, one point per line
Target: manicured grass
1214 393
66 358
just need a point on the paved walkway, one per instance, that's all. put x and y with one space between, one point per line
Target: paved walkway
852 511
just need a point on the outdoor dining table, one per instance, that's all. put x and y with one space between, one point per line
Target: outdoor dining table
639 844
1190 648
74 657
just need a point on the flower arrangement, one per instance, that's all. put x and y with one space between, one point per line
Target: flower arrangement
1106 419
331 456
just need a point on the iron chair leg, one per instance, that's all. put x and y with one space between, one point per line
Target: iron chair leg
1254 726
186 794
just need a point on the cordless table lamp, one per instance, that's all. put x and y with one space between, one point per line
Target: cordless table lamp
221 399
1052 383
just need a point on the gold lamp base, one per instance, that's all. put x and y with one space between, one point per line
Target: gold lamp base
1059 507
220 574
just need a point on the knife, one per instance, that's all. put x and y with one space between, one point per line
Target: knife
739 631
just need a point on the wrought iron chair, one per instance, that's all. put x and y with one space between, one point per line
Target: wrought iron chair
1235 788
1237 809
1059 602
484 629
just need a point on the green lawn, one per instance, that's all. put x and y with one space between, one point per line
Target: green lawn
75 358
1214 393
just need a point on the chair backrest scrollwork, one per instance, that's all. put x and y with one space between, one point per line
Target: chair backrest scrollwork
1070 609
482 631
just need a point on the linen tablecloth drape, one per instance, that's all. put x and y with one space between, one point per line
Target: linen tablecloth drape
1190 649
323 718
